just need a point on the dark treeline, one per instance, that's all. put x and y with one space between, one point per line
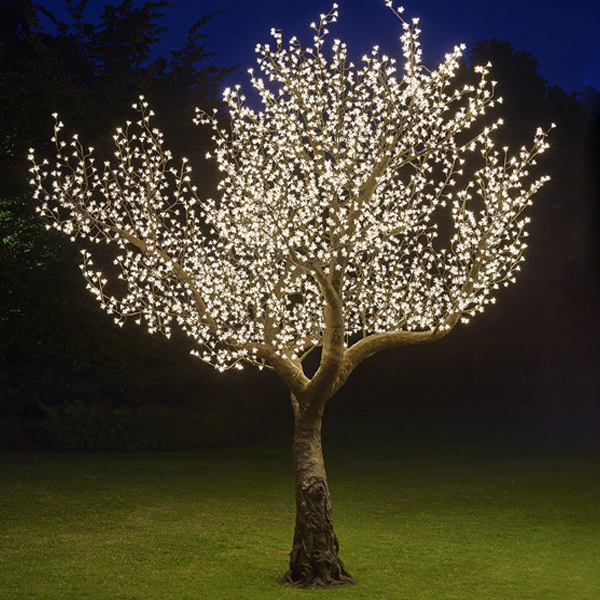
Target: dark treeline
63 363
70 379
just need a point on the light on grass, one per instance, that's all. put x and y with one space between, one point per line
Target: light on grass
326 232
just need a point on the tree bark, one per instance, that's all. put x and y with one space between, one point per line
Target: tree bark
314 560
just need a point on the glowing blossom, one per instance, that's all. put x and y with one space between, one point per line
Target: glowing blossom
329 210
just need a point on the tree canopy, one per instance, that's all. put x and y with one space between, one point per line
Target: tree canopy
328 216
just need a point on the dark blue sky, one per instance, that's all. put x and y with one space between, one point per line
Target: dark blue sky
564 36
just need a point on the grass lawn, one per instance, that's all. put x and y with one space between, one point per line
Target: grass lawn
418 517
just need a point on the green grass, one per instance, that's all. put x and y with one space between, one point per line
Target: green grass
417 518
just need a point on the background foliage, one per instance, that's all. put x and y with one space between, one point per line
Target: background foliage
70 380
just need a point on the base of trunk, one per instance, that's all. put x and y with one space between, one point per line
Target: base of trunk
322 571
314 560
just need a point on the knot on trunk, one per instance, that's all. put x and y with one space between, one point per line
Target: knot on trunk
317 503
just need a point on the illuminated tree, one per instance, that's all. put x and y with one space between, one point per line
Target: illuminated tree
356 213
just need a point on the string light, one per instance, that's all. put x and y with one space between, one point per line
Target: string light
331 195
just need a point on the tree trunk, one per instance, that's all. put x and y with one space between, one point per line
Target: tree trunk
314 561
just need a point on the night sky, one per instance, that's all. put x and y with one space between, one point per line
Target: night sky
564 36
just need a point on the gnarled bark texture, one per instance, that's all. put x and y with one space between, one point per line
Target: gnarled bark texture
314 560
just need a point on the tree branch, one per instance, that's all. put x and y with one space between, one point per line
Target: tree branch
372 344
